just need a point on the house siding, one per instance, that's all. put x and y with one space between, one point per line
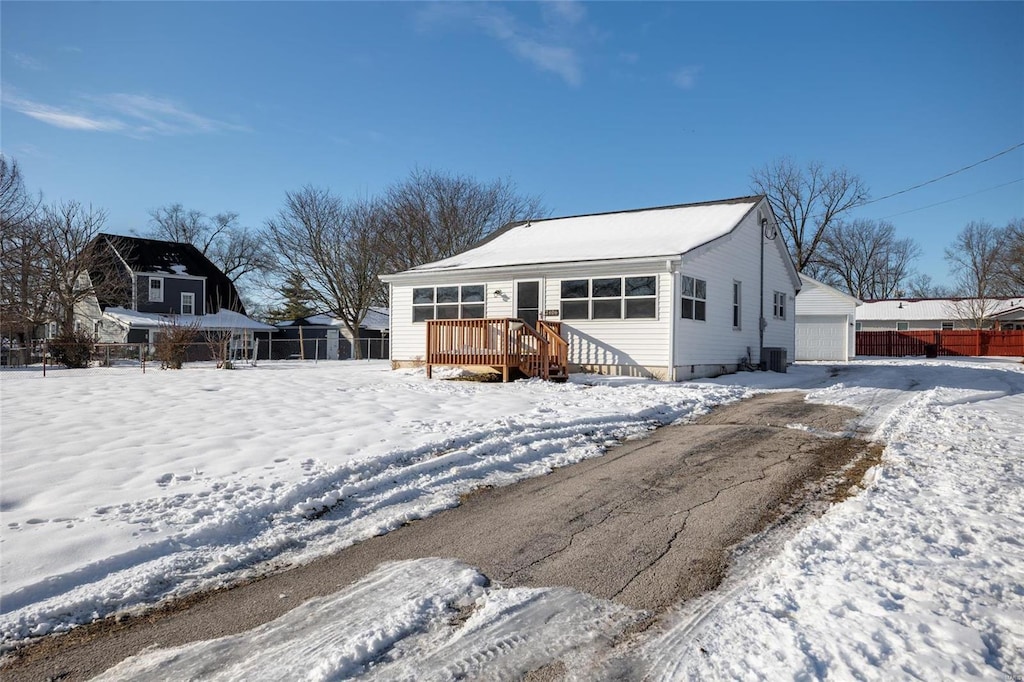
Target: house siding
173 289
639 347
714 346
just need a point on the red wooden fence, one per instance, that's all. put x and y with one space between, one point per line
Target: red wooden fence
959 342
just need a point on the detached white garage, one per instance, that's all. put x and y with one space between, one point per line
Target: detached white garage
825 322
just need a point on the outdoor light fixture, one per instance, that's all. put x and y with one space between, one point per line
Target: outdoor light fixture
498 293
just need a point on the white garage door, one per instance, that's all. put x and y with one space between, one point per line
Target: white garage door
821 337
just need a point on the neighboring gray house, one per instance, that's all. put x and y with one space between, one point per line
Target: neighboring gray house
939 314
673 292
825 319
326 337
164 283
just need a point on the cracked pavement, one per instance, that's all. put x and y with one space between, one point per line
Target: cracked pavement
648 524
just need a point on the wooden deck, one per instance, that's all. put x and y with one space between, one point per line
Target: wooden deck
504 344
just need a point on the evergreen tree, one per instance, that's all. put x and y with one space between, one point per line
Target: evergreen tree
297 300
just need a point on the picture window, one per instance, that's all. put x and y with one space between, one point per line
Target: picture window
465 302
609 298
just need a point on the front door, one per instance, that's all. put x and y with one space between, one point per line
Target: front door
528 302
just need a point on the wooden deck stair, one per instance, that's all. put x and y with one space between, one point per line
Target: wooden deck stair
508 345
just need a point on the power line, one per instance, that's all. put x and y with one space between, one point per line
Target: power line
943 177
980 191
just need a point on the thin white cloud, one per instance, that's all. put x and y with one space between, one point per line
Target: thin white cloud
685 78
549 47
27 61
569 11
129 114
56 116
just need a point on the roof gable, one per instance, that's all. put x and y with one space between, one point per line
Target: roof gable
155 256
640 233
812 284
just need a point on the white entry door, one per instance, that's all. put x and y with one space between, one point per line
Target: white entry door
332 344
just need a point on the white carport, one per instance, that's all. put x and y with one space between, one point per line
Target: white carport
825 322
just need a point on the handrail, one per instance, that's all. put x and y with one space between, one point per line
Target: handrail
502 343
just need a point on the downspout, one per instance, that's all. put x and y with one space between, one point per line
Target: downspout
673 271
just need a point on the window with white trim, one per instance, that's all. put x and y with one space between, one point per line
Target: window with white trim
902 326
737 294
188 303
695 298
609 298
947 326
779 305
156 289
453 302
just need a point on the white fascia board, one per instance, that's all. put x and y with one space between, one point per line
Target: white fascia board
657 263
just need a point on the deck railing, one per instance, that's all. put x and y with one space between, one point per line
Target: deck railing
502 343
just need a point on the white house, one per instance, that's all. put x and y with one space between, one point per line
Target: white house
825 322
672 292
940 314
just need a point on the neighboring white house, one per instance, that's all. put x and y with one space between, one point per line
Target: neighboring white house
672 292
939 314
825 319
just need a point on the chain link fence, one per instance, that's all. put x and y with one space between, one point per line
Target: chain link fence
52 358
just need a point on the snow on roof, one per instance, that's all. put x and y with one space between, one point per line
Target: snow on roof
926 309
651 232
223 319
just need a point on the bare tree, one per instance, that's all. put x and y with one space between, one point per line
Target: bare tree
336 248
433 215
974 260
75 268
807 201
1011 259
238 252
866 259
23 291
921 285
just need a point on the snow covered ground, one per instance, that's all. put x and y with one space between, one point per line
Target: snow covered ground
119 489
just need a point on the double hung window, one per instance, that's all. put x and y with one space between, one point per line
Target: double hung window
156 289
695 298
779 305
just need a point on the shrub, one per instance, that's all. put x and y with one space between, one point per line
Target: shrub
71 349
172 342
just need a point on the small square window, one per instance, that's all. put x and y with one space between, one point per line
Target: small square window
575 288
607 288
447 295
447 312
640 286
575 310
608 310
902 326
640 308
473 312
947 326
424 295
473 293
422 314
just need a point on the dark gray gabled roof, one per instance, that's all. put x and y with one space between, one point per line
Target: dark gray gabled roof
173 258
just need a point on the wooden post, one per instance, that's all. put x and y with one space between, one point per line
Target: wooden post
302 345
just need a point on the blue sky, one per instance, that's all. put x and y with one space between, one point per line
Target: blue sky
593 106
